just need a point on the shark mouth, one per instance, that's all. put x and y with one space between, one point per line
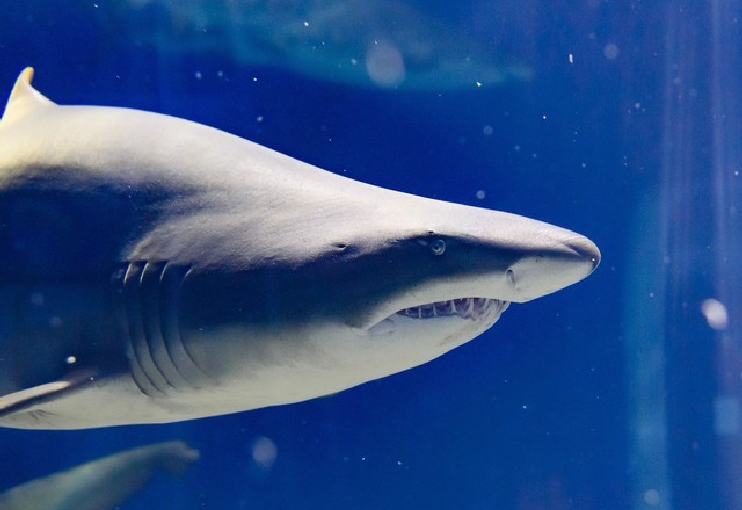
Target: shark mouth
466 308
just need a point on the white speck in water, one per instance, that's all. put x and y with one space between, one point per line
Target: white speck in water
480 194
71 360
715 313
264 452
384 64
611 51
571 59
198 75
487 130
652 497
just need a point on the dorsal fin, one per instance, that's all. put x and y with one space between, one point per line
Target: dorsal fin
23 99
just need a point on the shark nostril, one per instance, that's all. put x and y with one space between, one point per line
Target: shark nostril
586 249
510 275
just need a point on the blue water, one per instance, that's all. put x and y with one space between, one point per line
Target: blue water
534 414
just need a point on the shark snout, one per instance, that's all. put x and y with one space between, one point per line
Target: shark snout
537 274
585 249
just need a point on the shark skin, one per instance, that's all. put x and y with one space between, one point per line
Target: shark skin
155 270
102 484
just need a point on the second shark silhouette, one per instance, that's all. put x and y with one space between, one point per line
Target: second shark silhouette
102 484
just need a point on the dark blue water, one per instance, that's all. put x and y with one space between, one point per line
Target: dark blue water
534 414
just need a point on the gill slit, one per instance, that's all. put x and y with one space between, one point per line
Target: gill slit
149 310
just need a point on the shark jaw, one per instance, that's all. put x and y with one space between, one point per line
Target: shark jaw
374 322
224 276
465 308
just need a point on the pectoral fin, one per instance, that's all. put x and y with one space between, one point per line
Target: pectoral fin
29 397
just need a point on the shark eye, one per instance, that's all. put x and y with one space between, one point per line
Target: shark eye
438 247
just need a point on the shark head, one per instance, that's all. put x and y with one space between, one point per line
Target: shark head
215 275
366 284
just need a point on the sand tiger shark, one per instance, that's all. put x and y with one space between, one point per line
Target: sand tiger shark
365 43
102 484
154 270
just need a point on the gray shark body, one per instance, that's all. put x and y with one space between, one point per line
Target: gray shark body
102 484
155 270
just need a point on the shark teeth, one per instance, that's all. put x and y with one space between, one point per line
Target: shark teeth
466 308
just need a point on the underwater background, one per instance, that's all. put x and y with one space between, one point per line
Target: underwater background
618 120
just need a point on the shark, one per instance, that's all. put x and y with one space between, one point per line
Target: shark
102 484
154 270
383 44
